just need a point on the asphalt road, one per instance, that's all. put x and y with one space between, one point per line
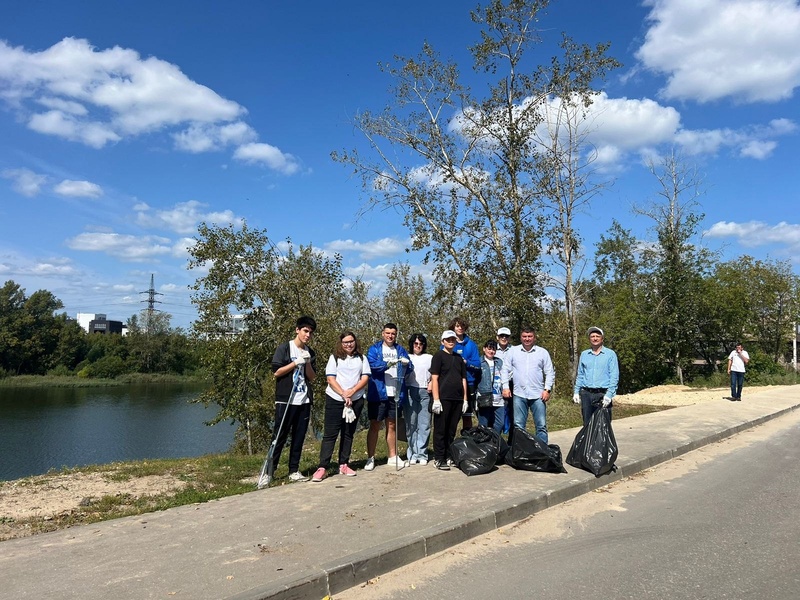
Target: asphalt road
720 523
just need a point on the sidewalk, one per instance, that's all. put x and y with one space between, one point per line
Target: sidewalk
311 540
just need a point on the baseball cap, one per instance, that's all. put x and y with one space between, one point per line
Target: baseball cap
449 333
592 330
504 331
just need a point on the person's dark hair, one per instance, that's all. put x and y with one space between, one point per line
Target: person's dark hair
459 320
339 351
528 329
418 336
390 326
490 344
306 321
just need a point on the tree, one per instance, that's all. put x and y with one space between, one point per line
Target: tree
619 300
29 330
247 274
459 169
677 264
565 172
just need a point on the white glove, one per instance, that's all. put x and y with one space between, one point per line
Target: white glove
348 414
391 362
606 402
437 407
300 360
576 398
403 360
464 406
305 354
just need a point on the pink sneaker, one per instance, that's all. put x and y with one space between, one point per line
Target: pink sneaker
319 475
346 470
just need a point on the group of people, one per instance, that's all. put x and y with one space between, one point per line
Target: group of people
435 391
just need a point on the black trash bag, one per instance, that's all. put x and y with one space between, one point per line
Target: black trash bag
528 453
473 458
484 435
595 447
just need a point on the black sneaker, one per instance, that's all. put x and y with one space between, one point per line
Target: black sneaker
441 465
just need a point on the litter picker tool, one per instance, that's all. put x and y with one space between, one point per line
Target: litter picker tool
268 469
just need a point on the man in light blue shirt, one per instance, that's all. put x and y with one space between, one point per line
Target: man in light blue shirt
598 376
533 374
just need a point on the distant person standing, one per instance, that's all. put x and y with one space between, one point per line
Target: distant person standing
531 368
598 376
736 362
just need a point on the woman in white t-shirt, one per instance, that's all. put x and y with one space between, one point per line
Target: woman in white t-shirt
416 409
347 372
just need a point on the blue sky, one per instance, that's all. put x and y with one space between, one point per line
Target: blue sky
124 125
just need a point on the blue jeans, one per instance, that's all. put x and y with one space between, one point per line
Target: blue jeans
538 408
492 416
737 382
418 423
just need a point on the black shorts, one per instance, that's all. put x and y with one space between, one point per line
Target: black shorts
380 411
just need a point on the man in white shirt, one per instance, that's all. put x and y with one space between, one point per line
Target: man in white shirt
736 362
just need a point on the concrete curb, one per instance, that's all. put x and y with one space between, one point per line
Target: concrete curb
360 567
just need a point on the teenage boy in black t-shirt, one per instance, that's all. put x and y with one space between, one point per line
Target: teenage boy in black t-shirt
449 390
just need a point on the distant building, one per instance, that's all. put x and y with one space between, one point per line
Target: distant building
236 325
105 326
85 318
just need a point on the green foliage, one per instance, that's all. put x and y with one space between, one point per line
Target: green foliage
250 276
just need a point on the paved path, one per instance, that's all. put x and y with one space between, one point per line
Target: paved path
312 540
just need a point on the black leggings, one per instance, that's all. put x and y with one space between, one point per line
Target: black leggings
334 425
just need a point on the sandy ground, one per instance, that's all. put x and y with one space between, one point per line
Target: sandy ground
46 497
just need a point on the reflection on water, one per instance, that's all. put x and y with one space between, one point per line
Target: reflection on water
42 429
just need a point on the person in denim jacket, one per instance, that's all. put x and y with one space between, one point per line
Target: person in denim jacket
490 389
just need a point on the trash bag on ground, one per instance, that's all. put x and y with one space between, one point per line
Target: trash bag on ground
528 453
473 458
595 447
486 435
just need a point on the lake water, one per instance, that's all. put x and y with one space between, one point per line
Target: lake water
47 428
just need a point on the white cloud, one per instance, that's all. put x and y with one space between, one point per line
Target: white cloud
712 49
25 181
203 138
69 127
757 233
46 269
617 127
268 156
368 250
78 189
758 149
126 247
183 217
99 96
180 249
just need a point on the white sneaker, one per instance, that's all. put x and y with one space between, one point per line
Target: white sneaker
370 464
422 461
297 476
396 462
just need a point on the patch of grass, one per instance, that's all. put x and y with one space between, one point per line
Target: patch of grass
50 381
